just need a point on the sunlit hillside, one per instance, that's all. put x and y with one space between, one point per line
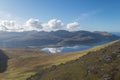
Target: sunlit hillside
103 64
24 62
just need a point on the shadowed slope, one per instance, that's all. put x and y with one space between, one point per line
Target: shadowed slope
3 61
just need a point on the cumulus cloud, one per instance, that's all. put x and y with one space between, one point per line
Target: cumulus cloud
53 24
11 25
36 24
73 25
33 24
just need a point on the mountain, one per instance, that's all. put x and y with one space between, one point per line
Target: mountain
60 38
116 33
103 64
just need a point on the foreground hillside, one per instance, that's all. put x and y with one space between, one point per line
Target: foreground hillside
103 64
21 63
60 38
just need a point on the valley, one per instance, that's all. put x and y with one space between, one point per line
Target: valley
24 62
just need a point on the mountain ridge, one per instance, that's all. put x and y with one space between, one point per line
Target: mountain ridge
60 37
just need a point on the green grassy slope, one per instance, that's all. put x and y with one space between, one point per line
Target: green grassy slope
103 64
24 62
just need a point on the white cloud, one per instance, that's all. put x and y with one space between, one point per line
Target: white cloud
53 24
36 24
73 25
9 25
33 24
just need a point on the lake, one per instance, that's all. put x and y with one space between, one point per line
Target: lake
70 48
65 49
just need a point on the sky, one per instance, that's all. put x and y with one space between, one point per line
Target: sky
50 15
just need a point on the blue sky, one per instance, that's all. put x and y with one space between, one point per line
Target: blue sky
101 15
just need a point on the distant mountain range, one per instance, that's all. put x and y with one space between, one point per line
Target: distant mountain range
116 33
58 38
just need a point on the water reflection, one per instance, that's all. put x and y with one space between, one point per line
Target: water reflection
65 49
